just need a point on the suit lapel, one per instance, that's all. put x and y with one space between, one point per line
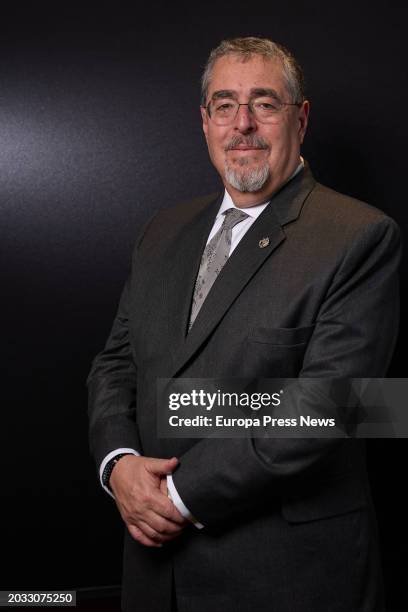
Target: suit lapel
263 237
184 259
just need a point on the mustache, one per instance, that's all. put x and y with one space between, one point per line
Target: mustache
252 140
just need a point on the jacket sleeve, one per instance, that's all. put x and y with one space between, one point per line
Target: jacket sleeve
354 336
112 391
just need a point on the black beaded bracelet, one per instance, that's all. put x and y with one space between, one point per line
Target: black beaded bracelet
106 474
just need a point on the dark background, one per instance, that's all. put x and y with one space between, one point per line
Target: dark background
100 127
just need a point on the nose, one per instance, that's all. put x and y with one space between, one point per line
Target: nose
244 120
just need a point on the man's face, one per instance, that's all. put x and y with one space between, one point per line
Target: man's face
250 155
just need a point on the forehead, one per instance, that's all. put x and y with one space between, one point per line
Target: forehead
235 73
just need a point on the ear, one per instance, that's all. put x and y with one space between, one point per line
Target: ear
204 117
303 119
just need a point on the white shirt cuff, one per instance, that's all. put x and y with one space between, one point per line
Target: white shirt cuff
178 502
112 455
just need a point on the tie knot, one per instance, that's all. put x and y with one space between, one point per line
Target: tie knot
232 217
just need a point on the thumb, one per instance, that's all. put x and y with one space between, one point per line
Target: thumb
162 466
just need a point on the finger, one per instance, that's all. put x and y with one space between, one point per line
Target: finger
138 535
157 525
161 466
161 525
154 503
152 534
163 486
149 532
163 506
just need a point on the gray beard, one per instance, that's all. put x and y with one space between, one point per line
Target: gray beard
247 179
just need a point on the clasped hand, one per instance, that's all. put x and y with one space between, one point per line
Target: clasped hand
140 489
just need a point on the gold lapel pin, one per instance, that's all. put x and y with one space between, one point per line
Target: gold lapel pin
263 243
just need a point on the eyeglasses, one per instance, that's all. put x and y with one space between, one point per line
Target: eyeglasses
223 111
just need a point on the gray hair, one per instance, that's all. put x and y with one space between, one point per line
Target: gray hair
247 47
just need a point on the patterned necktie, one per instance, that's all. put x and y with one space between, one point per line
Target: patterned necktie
214 258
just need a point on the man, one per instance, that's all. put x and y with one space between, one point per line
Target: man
277 276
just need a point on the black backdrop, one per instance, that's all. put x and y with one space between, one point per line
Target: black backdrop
99 127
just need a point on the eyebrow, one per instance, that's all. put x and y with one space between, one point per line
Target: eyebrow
223 93
264 91
254 93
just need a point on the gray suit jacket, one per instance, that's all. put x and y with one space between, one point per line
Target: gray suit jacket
289 523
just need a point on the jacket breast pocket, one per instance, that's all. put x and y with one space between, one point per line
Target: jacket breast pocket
275 352
281 336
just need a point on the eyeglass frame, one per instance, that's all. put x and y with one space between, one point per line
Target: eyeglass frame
249 105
